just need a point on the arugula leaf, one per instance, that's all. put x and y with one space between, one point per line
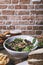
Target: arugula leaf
40 44
34 40
17 40
28 48
17 48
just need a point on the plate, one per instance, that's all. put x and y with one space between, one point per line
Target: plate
23 63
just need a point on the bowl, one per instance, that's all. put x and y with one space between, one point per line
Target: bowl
20 54
15 32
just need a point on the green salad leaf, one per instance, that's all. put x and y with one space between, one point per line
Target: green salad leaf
34 40
17 40
40 44
17 48
28 48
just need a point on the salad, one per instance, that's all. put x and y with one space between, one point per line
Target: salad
19 44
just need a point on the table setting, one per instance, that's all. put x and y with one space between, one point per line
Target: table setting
18 49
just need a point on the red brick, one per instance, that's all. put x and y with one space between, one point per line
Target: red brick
8 12
13 17
40 22
0 27
23 12
42 1
37 2
39 17
5 1
39 12
38 32
3 22
35 27
10 27
8 22
0 22
38 6
31 22
20 6
11 6
20 22
3 18
29 27
0 12
28 17
32 32
28 33
30 6
20 27
25 1
36 12
0 31
23 22
15 22
14 1
3 6
4 27
40 27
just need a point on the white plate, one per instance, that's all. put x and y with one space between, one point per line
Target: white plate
23 63
15 31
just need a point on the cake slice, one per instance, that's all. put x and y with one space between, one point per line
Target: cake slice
37 54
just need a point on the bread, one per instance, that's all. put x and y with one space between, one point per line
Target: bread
6 33
3 59
35 62
37 54
1 40
1 35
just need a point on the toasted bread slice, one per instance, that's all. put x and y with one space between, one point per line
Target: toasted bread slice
3 59
6 33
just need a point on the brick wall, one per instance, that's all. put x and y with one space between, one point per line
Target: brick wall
21 14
